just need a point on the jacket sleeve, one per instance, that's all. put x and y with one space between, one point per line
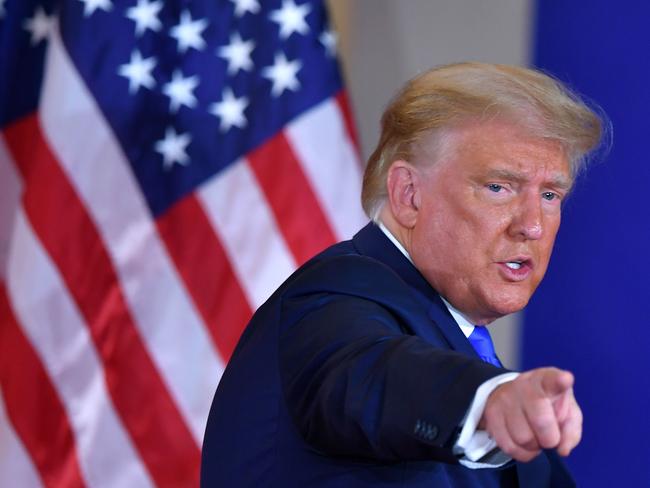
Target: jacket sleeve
357 381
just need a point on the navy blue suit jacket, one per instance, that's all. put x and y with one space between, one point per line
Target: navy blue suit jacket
353 374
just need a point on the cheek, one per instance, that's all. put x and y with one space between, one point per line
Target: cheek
544 257
434 227
435 247
548 242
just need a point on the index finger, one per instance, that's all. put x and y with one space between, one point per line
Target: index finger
556 381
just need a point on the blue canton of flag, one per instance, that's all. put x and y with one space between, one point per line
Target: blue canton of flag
199 84
164 165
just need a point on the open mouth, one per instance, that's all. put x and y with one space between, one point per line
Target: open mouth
514 264
517 269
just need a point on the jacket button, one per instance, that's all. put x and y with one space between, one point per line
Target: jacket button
425 430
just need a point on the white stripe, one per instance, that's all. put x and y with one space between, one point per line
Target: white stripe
56 330
173 331
248 231
322 145
16 467
10 189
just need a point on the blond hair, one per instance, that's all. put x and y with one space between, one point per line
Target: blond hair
448 95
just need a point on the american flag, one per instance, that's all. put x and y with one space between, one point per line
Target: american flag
164 165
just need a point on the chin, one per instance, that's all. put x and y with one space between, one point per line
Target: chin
508 304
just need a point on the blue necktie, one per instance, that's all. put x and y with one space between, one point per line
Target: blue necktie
482 343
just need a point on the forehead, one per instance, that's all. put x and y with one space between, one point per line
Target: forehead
495 146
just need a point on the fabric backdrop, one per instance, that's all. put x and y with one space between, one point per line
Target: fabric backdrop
591 314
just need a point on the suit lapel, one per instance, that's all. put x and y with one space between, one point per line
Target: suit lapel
441 316
372 242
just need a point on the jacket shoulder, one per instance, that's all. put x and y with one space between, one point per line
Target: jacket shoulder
346 273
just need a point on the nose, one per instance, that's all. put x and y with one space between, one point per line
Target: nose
527 219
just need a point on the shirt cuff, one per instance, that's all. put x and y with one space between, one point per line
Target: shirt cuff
473 445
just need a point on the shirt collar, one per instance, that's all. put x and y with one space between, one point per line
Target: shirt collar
465 325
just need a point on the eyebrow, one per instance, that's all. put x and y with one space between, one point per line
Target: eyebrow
557 182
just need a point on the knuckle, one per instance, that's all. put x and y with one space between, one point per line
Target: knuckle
573 437
525 439
509 447
549 439
540 412
573 442
538 406
547 431
542 422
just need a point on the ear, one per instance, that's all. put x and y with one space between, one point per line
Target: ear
403 193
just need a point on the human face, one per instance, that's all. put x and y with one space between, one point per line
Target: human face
487 214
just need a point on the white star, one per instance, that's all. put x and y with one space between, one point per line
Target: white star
39 26
328 38
91 5
243 6
145 16
291 18
173 148
238 54
179 90
230 110
188 32
283 74
138 71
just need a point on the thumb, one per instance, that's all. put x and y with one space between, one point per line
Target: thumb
556 381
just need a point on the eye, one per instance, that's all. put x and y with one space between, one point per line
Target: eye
549 195
495 187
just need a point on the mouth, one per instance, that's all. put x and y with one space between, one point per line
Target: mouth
516 269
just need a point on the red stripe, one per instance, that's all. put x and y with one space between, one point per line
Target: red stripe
289 193
343 102
67 232
33 405
206 271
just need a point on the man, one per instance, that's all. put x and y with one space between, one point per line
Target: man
371 365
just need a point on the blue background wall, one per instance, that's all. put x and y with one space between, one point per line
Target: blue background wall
591 314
